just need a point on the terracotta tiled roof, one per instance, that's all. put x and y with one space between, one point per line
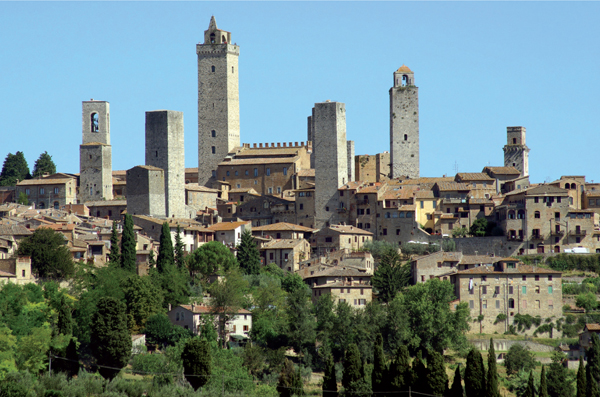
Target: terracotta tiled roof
14 230
351 185
306 173
521 269
349 230
424 194
205 309
545 189
6 274
244 190
282 226
197 188
45 181
105 203
149 167
502 170
340 284
282 244
473 176
451 186
404 69
221 226
592 327
338 271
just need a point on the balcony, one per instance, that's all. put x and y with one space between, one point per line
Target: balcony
514 238
578 232
536 236
557 233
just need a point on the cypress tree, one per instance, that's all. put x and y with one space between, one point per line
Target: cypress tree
297 384
44 165
179 249
457 389
530 391
591 384
492 375
353 369
166 256
64 322
196 362
128 245
558 382
380 368
438 378
594 357
581 384
247 254
69 365
400 372
543 383
420 382
114 255
474 374
329 379
286 381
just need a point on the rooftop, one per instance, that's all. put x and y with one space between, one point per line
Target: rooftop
283 226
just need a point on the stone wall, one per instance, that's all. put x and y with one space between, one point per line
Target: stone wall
365 168
146 191
350 155
516 152
404 131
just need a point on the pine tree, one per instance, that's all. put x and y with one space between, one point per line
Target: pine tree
438 378
420 382
329 379
530 391
247 254
179 249
110 341
400 372
44 165
457 389
492 374
114 255
380 368
474 374
543 383
128 245
590 382
581 375
14 169
196 362
165 251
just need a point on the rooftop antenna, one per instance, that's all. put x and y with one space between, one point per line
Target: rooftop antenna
455 167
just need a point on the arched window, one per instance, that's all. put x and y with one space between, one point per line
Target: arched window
521 214
402 214
212 38
94 122
387 214
212 68
404 80
511 214
536 214
511 303
223 39
556 249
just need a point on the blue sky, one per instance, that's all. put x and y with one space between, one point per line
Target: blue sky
479 66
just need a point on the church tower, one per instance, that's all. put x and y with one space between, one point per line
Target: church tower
516 152
218 100
95 153
404 124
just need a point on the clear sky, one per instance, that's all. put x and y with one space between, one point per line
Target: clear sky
479 66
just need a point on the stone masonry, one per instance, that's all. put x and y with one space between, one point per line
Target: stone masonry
404 124
95 153
164 149
516 152
146 191
331 162
350 146
218 100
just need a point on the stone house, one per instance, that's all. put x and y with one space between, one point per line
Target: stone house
344 285
200 197
305 206
191 317
242 195
502 175
505 288
263 210
193 234
585 337
337 237
481 183
16 270
575 187
54 191
109 209
285 253
283 230
358 260
230 233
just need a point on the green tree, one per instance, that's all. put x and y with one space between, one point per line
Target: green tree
581 375
111 341
50 258
22 199
593 354
379 375
559 384
591 384
420 382
586 301
391 276
474 374
379 248
438 378
400 372
32 350
248 256
227 298
70 364
530 391
196 360
166 257
353 375
44 165
179 249
142 298
14 169
301 322
114 256
543 383
292 282
128 245
492 374
330 388
211 258
479 227
457 389
159 330
518 358
174 285
289 383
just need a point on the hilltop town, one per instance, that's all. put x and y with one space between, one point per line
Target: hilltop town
313 211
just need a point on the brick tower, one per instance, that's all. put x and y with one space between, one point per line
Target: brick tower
516 152
404 124
331 159
95 153
218 100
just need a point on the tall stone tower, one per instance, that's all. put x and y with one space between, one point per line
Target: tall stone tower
404 124
218 100
146 191
164 149
95 153
516 152
331 159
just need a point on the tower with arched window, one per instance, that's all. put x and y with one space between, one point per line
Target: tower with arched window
516 152
95 153
404 124
218 100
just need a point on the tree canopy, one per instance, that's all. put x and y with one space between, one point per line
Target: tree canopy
128 250
211 258
50 257
44 165
14 169
391 276
166 256
248 255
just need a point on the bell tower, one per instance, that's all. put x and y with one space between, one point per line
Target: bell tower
218 100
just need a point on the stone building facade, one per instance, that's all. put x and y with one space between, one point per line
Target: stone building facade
54 191
344 285
339 237
331 162
146 192
285 253
164 149
404 124
350 156
95 153
218 100
516 152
